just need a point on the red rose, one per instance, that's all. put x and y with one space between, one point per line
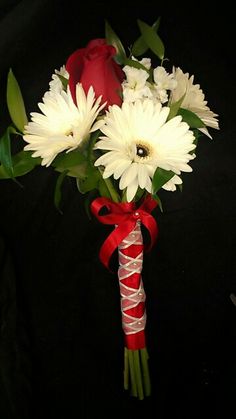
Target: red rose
95 66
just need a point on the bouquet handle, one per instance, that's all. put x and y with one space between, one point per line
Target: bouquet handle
136 371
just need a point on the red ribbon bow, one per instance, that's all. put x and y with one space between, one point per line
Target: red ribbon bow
124 215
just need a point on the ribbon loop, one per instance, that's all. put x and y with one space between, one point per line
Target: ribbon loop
124 215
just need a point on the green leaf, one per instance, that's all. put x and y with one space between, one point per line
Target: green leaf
113 39
90 183
151 38
180 187
103 189
15 102
160 177
174 107
157 198
66 160
197 135
140 47
64 81
5 152
87 199
22 163
191 118
136 64
57 192
91 143
139 194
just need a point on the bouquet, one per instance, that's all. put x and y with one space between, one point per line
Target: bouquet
124 128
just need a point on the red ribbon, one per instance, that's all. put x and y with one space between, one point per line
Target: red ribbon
124 215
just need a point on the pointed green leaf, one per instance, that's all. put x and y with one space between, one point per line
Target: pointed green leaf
191 118
91 143
57 192
136 64
180 187
140 47
64 81
197 135
151 38
174 107
139 194
160 177
90 183
157 198
66 160
15 103
22 163
103 189
5 152
113 39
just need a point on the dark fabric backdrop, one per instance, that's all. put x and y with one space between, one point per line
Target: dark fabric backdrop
61 347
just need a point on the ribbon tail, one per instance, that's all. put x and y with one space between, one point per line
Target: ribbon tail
113 241
150 223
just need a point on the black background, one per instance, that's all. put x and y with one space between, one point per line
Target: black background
61 348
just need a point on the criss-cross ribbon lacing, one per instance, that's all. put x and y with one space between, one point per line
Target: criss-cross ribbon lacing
131 296
127 237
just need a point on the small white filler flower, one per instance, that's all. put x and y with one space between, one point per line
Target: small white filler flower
135 85
138 139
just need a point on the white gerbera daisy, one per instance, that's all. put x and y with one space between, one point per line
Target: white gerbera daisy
55 84
138 140
194 99
62 125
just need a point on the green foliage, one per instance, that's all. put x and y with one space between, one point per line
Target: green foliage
151 38
5 152
13 166
90 181
191 118
140 46
157 198
15 103
136 64
113 39
57 192
174 108
67 160
64 81
160 177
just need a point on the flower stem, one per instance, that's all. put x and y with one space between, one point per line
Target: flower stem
126 369
136 373
113 193
145 369
134 391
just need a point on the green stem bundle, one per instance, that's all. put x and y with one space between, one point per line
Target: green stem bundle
136 373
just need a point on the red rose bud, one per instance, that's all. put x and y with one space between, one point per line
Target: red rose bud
95 66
